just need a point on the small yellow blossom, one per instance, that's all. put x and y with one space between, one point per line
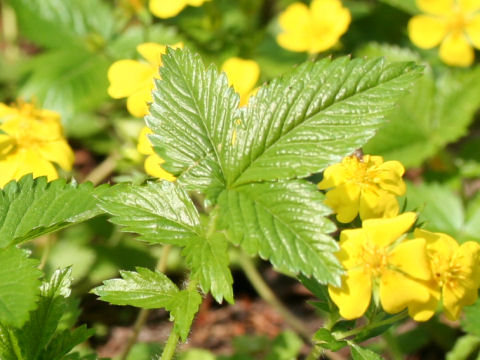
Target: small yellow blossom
456 275
169 8
31 141
134 79
242 75
377 258
454 24
313 29
153 161
363 186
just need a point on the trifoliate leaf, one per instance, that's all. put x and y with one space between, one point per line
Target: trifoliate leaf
143 288
423 123
208 260
301 123
159 212
33 207
285 223
19 287
183 308
192 116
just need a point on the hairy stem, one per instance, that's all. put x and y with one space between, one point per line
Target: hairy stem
267 294
374 325
143 313
170 346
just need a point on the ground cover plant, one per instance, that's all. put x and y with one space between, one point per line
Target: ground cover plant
251 179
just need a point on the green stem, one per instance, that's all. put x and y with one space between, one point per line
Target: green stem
104 170
371 326
170 346
267 294
143 313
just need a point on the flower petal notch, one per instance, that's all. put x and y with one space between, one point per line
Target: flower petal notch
452 24
313 29
363 186
31 142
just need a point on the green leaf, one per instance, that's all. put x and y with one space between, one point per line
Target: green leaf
9 347
71 81
471 320
360 353
63 342
56 23
285 223
183 308
422 124
299 124
192 117
285 346
464 348
19 286
161 212
326 340
30 208
442 210
144 288
37 333
208 259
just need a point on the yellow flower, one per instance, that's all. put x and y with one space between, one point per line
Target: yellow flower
313 29
169 8
31 141
456 275
153 161
242 75
363 186
454 24
378 258
134 79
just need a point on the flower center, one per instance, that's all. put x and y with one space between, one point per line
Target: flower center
446 272
457 21
374 259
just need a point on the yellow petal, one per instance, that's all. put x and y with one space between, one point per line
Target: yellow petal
442 244
469 5
6 110
390 177
128 77
385 231
353 297
144 146
152 52
296 23
195 2
411 258
242 74
436 7
467 257
426 31
166 8
351 248
424 311
30 162
8 168
344 200
456 50
153 168
58 152
473 31
397 291
333 175
330 22
377 204
137 103
455 298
